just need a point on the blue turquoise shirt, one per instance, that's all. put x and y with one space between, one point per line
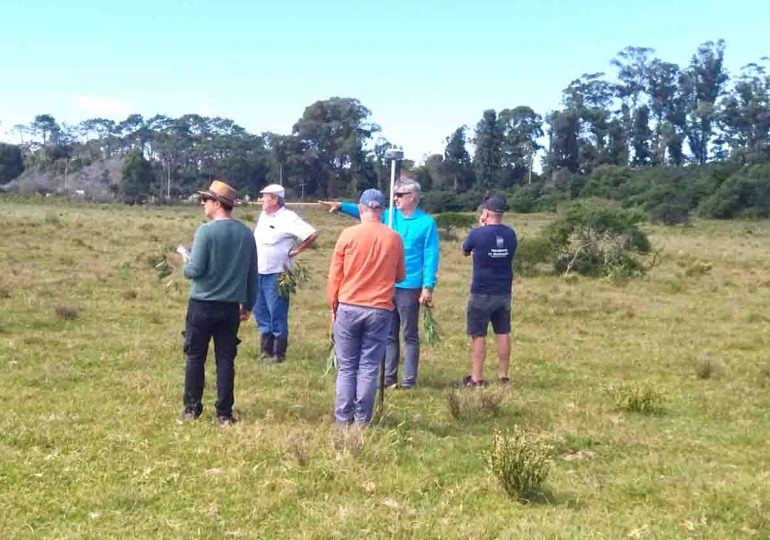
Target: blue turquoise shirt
421 250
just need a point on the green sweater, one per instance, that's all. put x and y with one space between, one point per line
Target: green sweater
223 263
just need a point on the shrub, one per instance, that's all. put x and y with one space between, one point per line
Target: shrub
697 268
707 367
68 313
745 193
440 201
477 403
525 199
520 462
448 220
532 252
130 294
597 238
604 181
670 213
52 219
638 398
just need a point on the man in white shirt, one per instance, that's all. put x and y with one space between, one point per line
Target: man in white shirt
280 235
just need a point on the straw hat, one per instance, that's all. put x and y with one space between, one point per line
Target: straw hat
222 192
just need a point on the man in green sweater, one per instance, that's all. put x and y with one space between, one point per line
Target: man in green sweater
223 269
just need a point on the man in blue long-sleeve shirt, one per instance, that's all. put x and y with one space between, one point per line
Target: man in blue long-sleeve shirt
421 252
223 269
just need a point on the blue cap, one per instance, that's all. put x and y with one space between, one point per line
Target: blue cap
372 198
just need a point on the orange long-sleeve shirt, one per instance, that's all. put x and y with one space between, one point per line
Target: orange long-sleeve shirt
367 261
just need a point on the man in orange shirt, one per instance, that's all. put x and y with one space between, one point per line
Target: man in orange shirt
367 261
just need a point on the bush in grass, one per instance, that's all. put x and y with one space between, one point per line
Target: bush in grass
697 268
52 219
525 199
744 193
130 294
707 367
68 313
638 398
764 375
520 462
599 238
457 220
670 213
448 224
532 252
466 404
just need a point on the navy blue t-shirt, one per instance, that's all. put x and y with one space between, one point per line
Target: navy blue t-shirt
493 247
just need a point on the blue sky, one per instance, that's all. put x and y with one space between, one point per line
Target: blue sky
422 67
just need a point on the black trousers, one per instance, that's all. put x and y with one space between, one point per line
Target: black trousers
206 320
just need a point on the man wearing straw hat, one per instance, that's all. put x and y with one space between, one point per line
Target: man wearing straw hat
223 270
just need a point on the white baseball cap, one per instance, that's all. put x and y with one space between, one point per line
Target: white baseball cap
274 189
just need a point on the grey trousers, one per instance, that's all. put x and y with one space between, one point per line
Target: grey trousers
406 318
360 336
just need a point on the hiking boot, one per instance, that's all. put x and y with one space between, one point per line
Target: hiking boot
266 344
190 415
279 350
225 421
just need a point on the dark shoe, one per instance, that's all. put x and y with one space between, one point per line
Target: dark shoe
266 344
504 380
468 381
279 350
225 421
190 415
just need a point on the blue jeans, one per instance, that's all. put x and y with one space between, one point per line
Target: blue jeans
406 318
271 310
360 336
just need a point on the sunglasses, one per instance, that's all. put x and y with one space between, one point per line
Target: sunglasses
399 195
206 198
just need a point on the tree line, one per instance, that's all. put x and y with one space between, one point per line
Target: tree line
607 134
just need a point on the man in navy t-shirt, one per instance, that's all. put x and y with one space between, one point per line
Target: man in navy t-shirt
493 246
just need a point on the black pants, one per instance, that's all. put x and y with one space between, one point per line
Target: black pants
206 320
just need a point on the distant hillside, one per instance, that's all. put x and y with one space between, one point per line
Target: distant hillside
92 181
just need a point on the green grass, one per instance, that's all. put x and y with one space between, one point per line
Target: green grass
90 445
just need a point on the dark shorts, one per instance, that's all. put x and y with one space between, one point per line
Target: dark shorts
486 308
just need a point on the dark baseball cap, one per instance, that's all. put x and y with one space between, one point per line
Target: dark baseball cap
495 204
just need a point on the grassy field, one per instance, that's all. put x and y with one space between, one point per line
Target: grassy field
91 376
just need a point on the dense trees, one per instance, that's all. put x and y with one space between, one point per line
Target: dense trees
11 162
652 116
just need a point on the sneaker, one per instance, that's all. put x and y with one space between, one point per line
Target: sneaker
504 380
225 421
391 386
468 381
190 415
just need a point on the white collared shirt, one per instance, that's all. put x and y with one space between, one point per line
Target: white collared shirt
275 235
